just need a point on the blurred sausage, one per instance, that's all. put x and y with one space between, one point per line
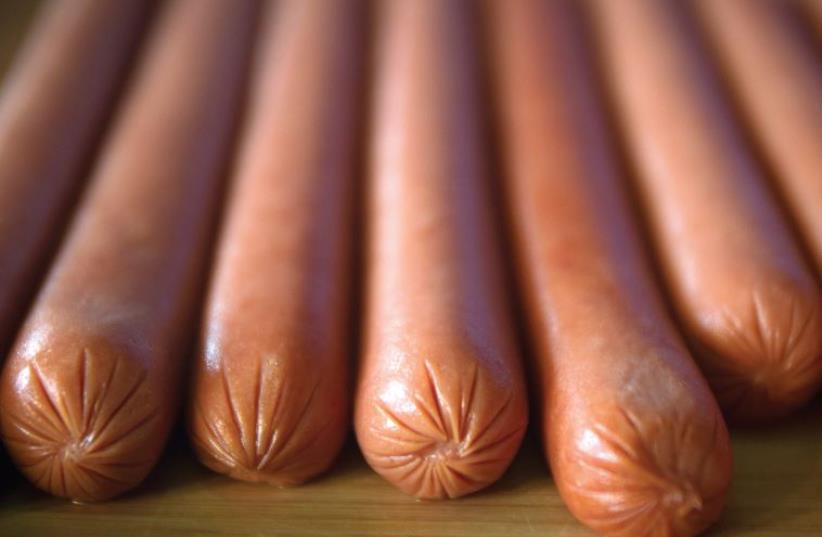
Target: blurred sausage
745 296
777 76
53 108
633 435
90 390
270 399
441 406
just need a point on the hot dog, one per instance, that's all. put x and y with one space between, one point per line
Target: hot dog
440 407
776 76
634 438
53 108
270 398
745 296
90 389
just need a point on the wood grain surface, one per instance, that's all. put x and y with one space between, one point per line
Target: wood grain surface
777 489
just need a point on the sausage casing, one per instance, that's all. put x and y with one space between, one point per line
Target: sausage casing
53 108
270 398
440 408
90 390
633 435
776 75
743 292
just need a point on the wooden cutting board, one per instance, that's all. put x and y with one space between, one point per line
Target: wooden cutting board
777 492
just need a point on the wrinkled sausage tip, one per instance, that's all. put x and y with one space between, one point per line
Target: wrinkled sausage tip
437 445
670 481
281 434
87 438
777 366
444 469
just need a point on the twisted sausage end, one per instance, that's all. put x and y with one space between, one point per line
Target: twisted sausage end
655 475
437 439
268 425
83 424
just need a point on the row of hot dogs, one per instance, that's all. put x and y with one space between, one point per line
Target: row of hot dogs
715 109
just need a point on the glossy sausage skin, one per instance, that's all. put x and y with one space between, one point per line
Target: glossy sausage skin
270 399
441 406
776 75
90 390
744 294
633 435
53 108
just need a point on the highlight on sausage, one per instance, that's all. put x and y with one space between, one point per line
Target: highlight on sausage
54 105
747 300
776 75
270 395
90 390
441 405
634 438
